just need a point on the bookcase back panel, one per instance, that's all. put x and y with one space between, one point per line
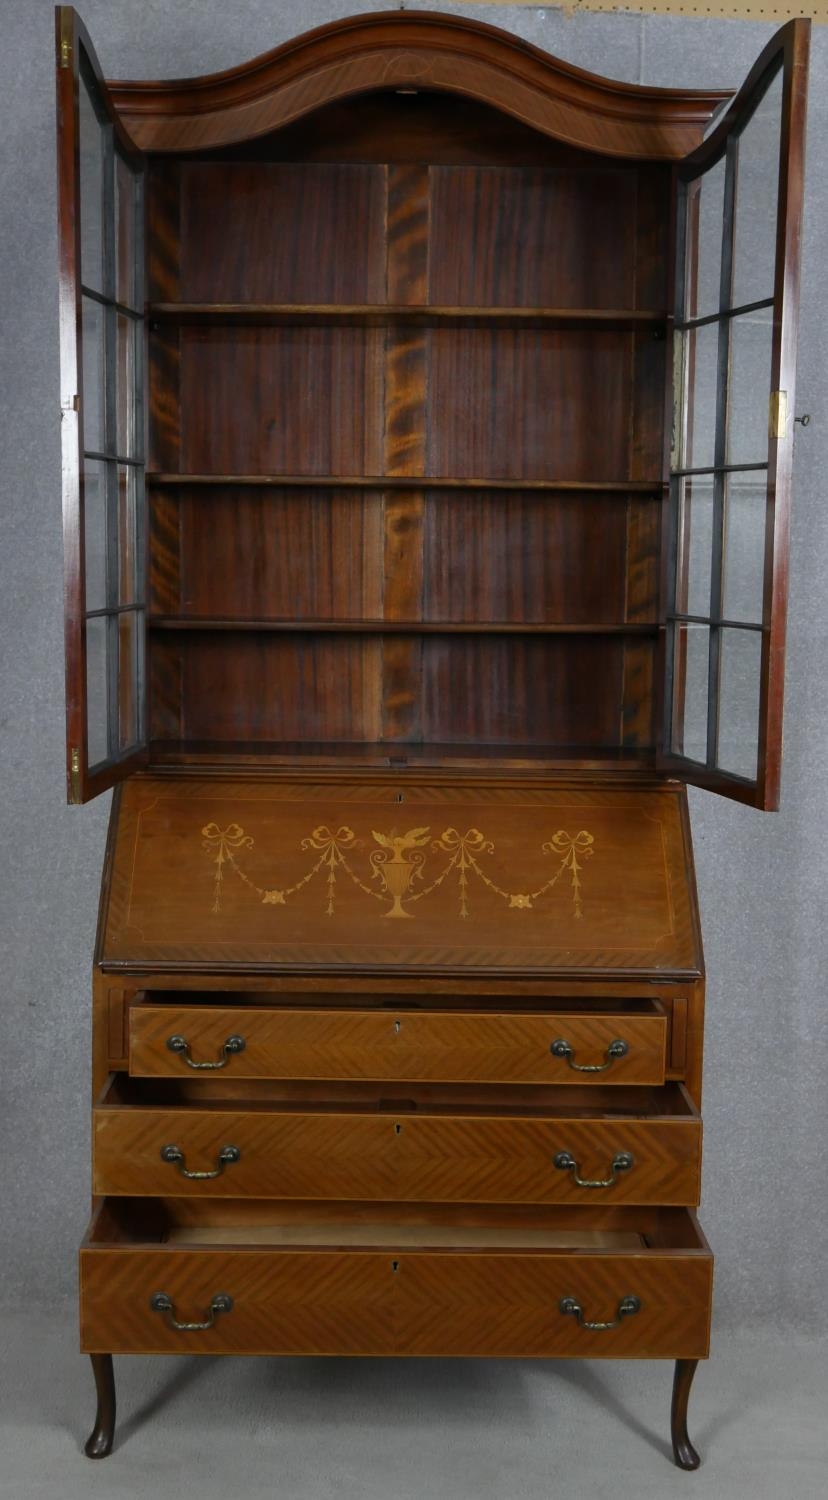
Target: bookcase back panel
263 531
537 691
477 689
515 237
386 203
282 232
280 401
515 556
259 687
533 405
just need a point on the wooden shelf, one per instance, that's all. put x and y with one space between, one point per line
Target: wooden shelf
408 482
260 754
395 627
383 315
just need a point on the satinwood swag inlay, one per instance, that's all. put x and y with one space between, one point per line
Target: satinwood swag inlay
398 865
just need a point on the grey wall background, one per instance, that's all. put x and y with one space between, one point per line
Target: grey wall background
762 878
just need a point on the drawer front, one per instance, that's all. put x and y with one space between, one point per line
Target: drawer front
406 1046
376 1302
427 1158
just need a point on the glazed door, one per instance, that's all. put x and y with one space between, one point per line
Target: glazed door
100 237
737 285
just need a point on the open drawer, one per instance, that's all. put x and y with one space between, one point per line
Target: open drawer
176 1039
173 1276
550 1145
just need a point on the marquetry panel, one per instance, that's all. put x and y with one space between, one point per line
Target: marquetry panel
433 873
439 1158
370 1302
401 1045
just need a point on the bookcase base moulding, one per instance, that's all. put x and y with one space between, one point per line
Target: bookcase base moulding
425 535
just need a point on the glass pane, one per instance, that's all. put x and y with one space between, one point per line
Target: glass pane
128 627
739 687
700 430
91 153
757 186
126 234
749 387
97 696
130 540
93 317
744 548
128 436
695 546
95 532
704 248
690 677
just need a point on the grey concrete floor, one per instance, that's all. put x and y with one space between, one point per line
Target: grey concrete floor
409 1430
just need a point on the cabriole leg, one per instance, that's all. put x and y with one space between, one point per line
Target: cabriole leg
99 1442
684 1453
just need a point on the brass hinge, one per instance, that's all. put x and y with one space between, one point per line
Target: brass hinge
678 401
75 778
65 52
778 414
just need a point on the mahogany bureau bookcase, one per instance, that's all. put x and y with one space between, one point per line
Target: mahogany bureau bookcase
427 414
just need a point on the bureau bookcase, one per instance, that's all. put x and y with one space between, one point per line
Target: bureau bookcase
427 414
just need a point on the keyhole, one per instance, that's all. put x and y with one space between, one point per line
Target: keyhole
400 797
398 1129
395 1265
398 1026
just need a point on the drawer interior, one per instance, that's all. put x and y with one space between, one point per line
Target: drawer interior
634 1005
408 1237
254 1223
531 1101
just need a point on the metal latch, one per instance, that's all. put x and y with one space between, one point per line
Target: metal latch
74 775
778 414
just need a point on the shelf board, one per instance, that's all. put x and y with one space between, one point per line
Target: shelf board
360 754
395 627
407 482
383 315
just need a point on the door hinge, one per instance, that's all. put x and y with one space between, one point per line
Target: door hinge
74 775
65 52
778 414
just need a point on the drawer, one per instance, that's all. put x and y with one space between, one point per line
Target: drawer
408 1045
629 1146
393 1282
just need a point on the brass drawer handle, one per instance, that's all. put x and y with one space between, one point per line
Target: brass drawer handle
565 1162
562 1048
627 1308
226 1157
180 1045
221 1303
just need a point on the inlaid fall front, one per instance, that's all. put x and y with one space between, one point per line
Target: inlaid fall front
332 873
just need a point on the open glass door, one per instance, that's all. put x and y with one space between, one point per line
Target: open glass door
737 289
100 238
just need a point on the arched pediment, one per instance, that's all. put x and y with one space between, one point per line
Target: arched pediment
405 49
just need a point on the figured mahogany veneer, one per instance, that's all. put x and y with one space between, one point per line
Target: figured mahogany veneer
425 872
429 1153
405 1045
414 51
405 1298
399 988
